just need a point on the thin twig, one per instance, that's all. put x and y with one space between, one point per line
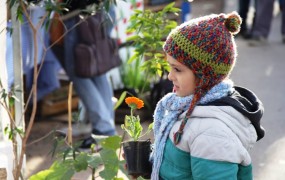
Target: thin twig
120 151
41 138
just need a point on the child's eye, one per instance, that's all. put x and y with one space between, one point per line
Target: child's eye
177 70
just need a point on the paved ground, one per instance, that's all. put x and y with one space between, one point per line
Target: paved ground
262 70
258 68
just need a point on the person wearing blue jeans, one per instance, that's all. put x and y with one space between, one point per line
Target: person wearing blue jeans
95 93
261 29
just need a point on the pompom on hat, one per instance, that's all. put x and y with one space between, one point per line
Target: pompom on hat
205 45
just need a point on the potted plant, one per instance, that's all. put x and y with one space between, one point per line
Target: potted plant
146 63
136 150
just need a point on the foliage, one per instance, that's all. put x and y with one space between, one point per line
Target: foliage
121 99
149 29
132 123
132 76
72 161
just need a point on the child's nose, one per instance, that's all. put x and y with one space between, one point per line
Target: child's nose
169 76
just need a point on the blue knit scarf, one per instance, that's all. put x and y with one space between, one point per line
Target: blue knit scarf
167 112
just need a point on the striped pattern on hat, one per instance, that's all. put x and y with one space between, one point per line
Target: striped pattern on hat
206 45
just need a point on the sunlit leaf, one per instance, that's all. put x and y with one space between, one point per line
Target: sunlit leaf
112 142
121 99
62 171
111 163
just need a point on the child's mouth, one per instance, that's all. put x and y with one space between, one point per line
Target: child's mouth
175 88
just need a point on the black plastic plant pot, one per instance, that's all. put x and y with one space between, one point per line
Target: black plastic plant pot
137 157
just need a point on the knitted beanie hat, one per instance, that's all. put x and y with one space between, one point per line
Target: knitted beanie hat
206 45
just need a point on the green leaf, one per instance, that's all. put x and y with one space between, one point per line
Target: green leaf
168 7
58 170
133 38
135 56
112 142
41 175
20 14
11 101
111 163
20 131
159 55
121 100
129 126
6 130
175 10
149 54
140 178
150 126
67 152
81 162
94 160
75 115
138 11
137 129
118 178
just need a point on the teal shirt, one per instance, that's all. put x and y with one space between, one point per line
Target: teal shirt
178 164
175 164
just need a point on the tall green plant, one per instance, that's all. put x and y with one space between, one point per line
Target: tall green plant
150 30
133 77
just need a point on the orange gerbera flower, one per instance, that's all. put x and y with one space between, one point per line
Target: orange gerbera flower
134 103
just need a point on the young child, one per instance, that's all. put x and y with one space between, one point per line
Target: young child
205 128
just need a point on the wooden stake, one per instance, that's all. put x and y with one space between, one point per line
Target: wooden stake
69 114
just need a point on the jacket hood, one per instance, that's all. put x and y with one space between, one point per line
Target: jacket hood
248 104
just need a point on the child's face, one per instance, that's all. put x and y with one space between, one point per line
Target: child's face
182 77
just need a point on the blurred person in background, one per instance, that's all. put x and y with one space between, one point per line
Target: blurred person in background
245 30
95 92
263 20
